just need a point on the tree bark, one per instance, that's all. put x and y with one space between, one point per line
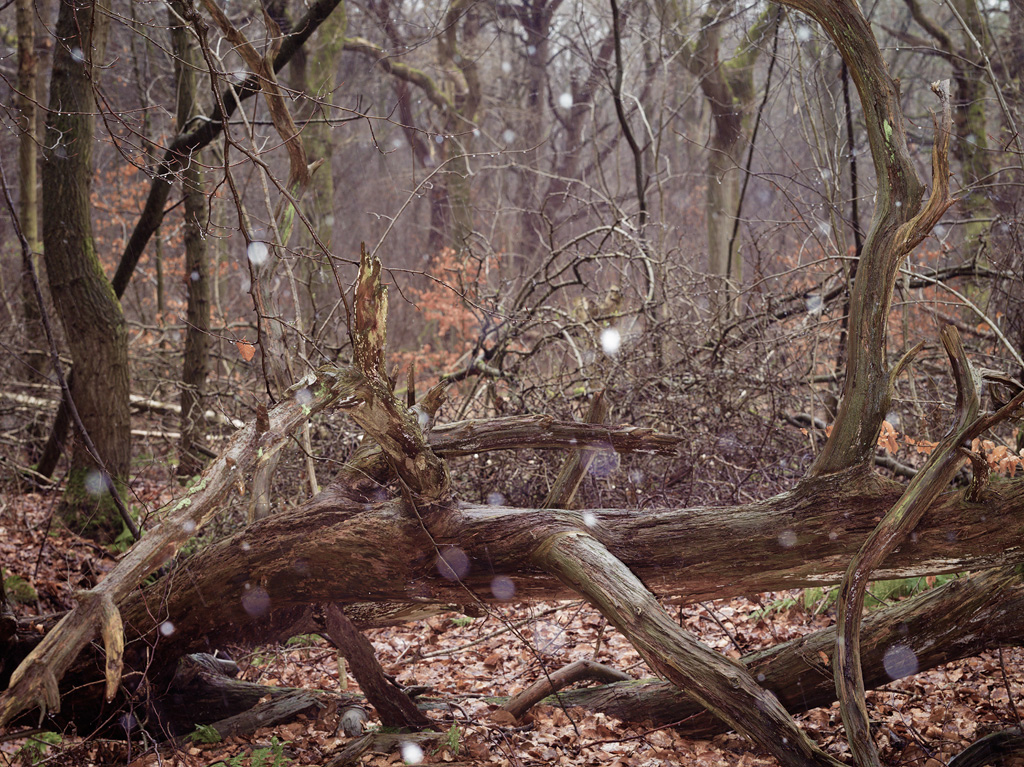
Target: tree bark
28 181
90 312
394 707
197 269
958 620
722 686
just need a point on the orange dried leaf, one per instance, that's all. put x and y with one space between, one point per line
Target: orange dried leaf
246 349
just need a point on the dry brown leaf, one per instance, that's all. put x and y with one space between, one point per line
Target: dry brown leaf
246 349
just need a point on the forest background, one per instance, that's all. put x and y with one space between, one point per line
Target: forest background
649 214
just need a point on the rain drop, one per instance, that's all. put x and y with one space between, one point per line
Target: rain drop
531 49
589 519
506 67
787 539
411 753
194 276
304 396
495 499
439 138
603 463
803 33
610 341
246 546
257 252
508 135
255 601
503 588
899 661
166 628
76 55
188 526
453 563
95 482
565 100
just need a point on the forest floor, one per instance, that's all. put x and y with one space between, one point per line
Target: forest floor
921 720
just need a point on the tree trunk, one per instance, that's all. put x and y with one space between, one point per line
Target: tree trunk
197 269
176 156
90 312
725 266
28 181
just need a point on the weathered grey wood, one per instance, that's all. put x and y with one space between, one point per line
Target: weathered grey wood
722 686
958 620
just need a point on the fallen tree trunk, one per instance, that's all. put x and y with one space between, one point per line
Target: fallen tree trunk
260 585
337 551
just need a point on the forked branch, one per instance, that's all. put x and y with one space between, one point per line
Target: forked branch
924 488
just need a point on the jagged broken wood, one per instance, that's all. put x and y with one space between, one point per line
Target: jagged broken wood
34 682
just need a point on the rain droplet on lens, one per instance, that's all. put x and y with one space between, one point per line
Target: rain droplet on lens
453 563
503 588
166 628
256 601
257 252
899 661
